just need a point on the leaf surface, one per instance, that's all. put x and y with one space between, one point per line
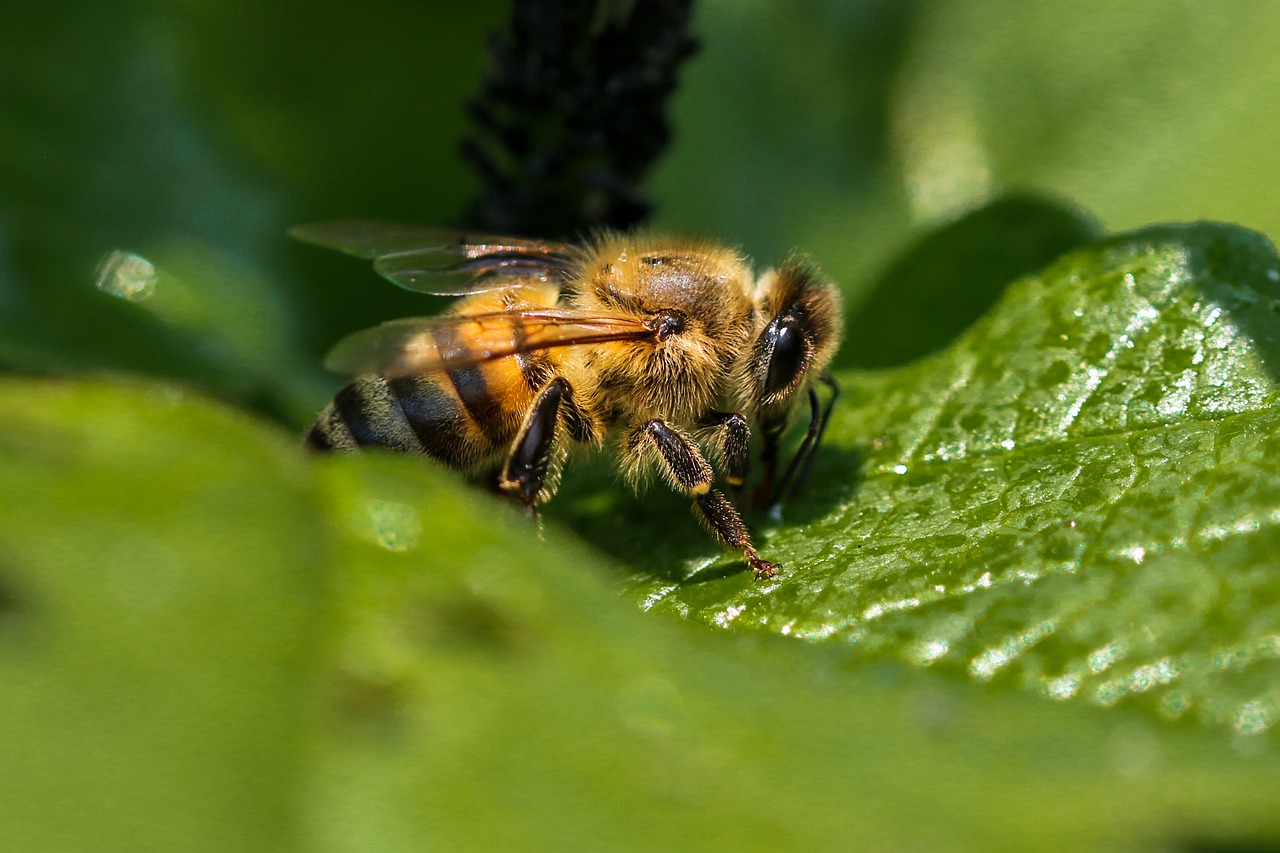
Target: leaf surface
1078 496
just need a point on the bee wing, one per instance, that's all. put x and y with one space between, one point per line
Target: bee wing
442 261
423 344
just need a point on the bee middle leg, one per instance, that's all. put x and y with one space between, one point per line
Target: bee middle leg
734 438
686 468
524 475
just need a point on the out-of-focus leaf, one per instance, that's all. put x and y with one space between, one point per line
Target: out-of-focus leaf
1142 112
163 593
104 153
209 642
192 135
782 132
1079 496
950 276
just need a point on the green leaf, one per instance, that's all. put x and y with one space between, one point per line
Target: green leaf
210 642
951 276
161 595
1079 496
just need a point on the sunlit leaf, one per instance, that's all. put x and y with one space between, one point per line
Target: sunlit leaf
1079 496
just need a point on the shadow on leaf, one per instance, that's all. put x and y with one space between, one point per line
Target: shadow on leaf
949 277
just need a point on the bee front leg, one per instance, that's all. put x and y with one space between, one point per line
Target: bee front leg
524 475
687 471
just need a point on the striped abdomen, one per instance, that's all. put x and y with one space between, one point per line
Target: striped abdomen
461 416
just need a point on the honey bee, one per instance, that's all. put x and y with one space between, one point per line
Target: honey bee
664 346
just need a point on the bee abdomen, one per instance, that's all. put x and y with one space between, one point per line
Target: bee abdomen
409 414
365 413
438 421
329 433
486 411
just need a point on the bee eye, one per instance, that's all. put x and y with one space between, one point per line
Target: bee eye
668 324
787 358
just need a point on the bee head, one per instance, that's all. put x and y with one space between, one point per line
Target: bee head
799 322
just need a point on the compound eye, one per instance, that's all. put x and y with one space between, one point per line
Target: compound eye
788 356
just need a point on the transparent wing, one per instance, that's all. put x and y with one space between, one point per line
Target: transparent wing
451 271
442 261
423 344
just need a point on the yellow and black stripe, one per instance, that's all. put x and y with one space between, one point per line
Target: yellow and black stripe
461 416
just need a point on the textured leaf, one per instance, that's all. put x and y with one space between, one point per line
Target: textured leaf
1080 495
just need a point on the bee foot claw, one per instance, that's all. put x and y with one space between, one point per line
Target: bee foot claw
763 568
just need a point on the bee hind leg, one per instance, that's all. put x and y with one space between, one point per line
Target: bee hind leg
687 470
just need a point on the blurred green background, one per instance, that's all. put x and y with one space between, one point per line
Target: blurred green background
209 642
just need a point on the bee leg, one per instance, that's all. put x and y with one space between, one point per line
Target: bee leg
689 472
735 449
798 471
524 475
769 461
